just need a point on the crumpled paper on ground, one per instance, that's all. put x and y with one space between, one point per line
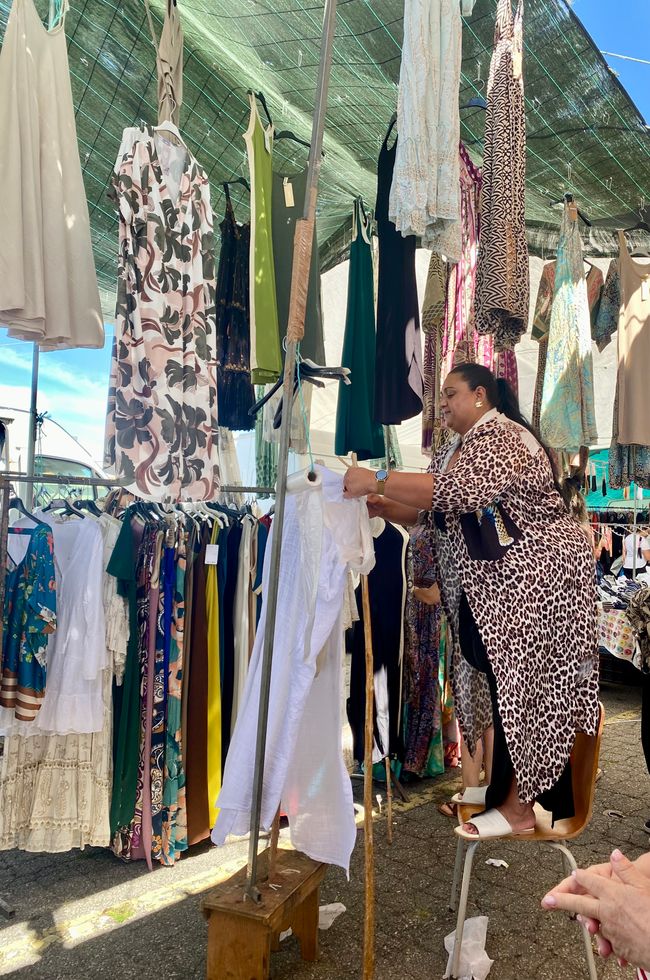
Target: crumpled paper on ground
475 964
327 914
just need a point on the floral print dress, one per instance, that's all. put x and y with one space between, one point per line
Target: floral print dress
161 431
29 617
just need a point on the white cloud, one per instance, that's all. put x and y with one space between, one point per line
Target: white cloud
51 371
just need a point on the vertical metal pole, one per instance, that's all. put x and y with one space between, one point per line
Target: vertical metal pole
634 541
285 431
33 426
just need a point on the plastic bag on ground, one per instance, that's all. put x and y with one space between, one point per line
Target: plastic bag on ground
475 964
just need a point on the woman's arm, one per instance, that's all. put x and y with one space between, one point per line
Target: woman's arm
391 510
414 490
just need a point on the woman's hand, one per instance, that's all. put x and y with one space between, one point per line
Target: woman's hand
429 596
570 886
618 901
358 482
377 505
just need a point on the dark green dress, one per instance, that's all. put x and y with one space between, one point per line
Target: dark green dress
356 431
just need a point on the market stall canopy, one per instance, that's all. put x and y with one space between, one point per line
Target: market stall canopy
584 133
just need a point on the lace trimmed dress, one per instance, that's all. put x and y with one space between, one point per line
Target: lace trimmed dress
424 197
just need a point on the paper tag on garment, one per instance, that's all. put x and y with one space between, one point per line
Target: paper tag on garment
289 199
211 554
645 289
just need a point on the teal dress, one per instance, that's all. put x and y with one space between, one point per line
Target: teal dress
356 430
29 618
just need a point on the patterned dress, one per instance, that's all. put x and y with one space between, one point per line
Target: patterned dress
542 321
508 531
29 617
568 415
422 660
502 278
161 428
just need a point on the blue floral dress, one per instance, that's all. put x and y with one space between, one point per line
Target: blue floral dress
29 618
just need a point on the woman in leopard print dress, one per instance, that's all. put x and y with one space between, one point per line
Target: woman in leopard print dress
524 605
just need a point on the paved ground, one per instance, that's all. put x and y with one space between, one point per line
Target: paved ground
89 916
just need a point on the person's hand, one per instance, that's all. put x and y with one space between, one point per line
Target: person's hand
376 505
570 886
429 596
358 482
620 903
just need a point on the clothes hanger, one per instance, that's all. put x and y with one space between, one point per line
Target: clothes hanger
171 128
16 504
260 96
476 102
62 503
90 505
227 184
568 199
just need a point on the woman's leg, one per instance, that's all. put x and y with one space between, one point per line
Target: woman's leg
488 753
470 764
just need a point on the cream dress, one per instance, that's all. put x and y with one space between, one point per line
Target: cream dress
425 194
48 285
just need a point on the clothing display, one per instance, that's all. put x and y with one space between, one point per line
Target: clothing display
625 307
55 789
399 387
502 274
387 586
266 354
288 202
235 393
497 537
48 284
567 413
161 426
323 536
542 321
433 318
356 429
424 194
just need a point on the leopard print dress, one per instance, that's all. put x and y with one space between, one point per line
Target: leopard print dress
505 539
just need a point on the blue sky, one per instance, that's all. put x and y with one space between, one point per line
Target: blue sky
73 383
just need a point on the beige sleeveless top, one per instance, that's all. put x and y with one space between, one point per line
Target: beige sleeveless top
48 285
633 349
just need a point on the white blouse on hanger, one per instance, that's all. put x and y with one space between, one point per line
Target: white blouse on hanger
324 536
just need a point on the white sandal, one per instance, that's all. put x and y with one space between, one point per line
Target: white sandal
472 796
489 825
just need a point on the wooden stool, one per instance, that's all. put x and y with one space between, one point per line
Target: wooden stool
241 933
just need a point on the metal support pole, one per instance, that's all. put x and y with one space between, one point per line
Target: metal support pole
294 332
634 541
33 427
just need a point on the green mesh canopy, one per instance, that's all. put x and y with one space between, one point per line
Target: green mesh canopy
584 133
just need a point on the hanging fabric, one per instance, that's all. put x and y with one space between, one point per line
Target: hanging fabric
542 321
399 387
266 354
424 193
625 306
323 536
567 415
170 66
234 389
356 430
48 284
502 276
161 426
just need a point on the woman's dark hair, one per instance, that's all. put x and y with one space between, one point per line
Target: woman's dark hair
500 395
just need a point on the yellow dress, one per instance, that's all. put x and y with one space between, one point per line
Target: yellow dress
214 684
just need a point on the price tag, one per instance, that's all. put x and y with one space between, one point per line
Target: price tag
211 554
289 199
